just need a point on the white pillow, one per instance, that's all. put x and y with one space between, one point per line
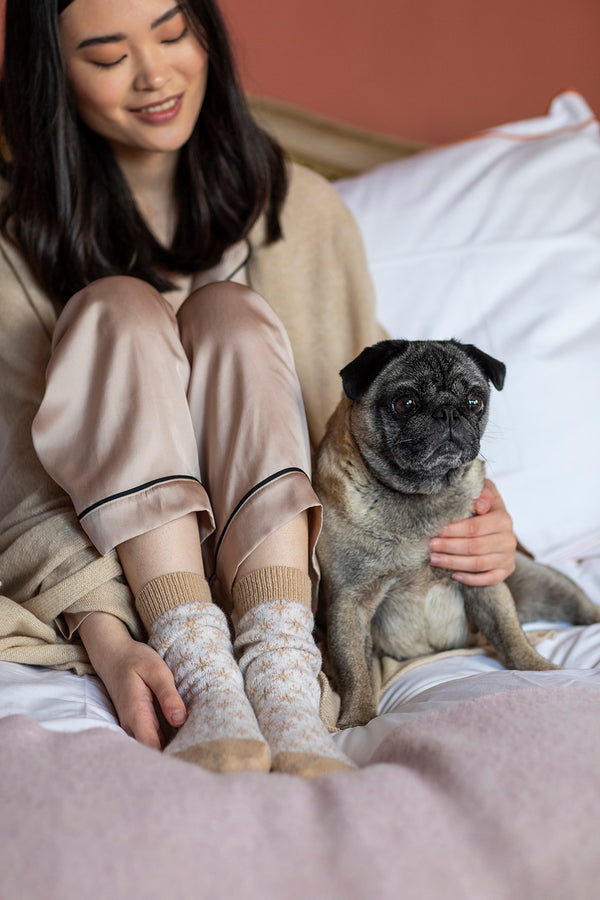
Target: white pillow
496 241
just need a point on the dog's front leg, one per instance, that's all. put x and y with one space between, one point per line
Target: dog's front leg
351 649
492 611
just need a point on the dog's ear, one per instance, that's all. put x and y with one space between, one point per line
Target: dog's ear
493 369
359 374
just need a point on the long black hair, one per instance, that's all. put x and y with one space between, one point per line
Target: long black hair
67 205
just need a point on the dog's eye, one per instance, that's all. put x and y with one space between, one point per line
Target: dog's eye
476 404
404 405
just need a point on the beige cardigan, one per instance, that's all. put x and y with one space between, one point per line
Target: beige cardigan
317 281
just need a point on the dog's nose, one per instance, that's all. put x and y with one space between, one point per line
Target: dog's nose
447 414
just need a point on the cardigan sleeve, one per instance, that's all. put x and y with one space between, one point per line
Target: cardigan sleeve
47 564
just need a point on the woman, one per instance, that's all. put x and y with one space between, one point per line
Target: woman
171 431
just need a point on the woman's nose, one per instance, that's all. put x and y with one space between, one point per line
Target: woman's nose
152 72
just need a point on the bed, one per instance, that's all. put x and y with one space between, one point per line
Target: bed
473 783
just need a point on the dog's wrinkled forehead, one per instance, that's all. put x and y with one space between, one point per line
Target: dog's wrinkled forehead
430 365
432 369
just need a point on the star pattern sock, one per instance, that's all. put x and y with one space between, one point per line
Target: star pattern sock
192 635
280 663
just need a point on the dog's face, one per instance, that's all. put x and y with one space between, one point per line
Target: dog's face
419 409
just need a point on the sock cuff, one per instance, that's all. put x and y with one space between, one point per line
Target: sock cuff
168 592
273 583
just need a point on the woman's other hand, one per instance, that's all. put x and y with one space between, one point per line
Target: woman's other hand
479 550
135 677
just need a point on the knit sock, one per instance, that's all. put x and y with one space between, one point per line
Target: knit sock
192 635
280 663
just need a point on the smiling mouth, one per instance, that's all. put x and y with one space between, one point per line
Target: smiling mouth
164 106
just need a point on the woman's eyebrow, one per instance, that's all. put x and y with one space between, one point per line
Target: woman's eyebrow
116 38
103 39
168 15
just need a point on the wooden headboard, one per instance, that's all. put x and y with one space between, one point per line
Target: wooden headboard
334 149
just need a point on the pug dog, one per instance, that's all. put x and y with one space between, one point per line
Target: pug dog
399 460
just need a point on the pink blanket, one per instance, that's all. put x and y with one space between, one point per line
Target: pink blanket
497 797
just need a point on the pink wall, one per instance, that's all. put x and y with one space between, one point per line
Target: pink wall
426 69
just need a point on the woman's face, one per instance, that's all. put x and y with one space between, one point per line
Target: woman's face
137 71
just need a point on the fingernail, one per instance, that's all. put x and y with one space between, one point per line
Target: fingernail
435 558
434 544
178 717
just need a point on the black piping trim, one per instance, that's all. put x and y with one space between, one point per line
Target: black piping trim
247 496
136 490
243 262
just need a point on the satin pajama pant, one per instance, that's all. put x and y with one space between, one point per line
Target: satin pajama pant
149 415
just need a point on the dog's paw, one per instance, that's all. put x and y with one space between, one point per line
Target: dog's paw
544 665
530 662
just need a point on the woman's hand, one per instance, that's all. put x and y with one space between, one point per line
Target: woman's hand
480 550
135 677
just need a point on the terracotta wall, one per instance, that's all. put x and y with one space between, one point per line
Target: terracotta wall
426 69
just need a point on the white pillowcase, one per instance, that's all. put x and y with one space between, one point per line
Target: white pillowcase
496 241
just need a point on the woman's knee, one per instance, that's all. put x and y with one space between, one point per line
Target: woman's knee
231 313
116 303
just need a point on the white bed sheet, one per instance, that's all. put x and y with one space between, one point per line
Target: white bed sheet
59 701
62 701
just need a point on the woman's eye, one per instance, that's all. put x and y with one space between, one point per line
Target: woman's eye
476 403
404 405
108 65
175 40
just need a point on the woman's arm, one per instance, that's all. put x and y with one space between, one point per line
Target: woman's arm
135 677
480 550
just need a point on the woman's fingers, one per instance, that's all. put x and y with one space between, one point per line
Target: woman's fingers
479 550
161 683
140 721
